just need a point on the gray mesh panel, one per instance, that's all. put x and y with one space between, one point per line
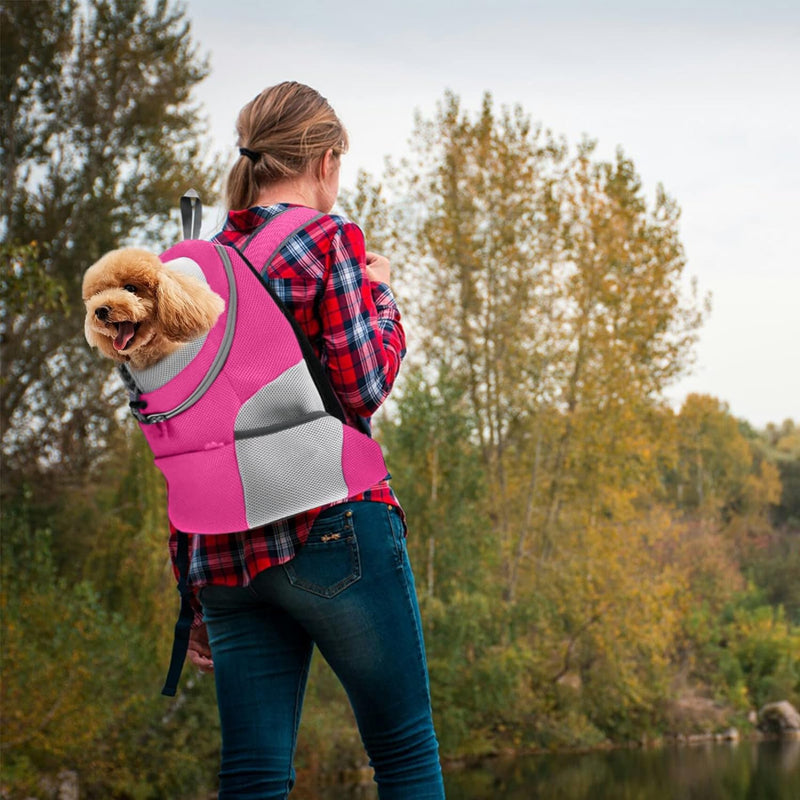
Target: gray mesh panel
291 470
291 396
163 371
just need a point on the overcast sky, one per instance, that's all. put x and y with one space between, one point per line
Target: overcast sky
702 95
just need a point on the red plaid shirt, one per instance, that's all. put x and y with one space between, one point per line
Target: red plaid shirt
354 327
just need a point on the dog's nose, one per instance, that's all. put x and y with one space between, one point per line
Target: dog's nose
102 313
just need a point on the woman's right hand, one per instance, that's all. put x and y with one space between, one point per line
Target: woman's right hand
377 267
199 650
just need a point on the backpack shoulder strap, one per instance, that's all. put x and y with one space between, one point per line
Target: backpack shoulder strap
266 241
262 246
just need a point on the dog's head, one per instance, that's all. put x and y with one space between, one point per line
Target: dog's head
139 310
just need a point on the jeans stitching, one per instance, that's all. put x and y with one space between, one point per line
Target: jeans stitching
298 703
410 605
397 546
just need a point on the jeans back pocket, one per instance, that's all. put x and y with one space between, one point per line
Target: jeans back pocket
329 561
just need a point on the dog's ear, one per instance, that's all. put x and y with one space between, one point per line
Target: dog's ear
185 307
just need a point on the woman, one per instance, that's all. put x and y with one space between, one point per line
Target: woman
338 577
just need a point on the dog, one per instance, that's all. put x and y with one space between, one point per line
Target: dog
138 310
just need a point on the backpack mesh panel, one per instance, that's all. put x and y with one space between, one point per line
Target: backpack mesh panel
163 371
291 470
291 396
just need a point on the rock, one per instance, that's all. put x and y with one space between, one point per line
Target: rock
730 735
48 789
781 718
690 712
68 787
64 786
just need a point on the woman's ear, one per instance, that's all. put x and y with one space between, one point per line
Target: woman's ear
326 164
185 307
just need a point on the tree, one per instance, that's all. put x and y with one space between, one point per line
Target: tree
783 449
100 138
714 458
428 442
553 295
546 295
367 206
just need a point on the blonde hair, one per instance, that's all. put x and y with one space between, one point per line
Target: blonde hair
284 129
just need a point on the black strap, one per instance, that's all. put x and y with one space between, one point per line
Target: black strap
137 405
180 644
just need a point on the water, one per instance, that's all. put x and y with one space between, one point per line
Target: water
747 770
731 771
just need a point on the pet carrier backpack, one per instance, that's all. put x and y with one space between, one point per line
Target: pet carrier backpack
243 422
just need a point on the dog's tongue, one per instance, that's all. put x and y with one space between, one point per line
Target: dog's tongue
125 331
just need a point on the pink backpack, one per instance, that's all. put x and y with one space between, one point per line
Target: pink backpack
243 423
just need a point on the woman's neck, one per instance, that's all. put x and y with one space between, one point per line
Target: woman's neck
294 192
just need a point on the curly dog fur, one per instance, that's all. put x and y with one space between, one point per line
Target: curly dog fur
138 310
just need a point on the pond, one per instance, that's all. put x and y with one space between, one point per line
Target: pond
729 771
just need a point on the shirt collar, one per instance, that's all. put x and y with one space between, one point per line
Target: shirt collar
247 220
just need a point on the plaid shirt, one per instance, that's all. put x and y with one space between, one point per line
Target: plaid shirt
354 327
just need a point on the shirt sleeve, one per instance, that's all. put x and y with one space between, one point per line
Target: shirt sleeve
363 337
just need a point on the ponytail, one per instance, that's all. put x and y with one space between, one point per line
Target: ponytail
281 132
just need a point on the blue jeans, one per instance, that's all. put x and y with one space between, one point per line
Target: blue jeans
350 591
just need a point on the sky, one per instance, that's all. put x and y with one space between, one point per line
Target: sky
702 96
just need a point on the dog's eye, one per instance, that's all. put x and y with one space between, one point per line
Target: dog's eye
128 287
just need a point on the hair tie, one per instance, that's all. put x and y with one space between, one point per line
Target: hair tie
251 154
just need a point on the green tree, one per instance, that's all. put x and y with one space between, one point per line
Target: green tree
546 293
782 447
100 137
771 556
553 295
82 664
366 205
714 458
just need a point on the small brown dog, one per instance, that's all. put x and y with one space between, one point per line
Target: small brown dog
138 310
